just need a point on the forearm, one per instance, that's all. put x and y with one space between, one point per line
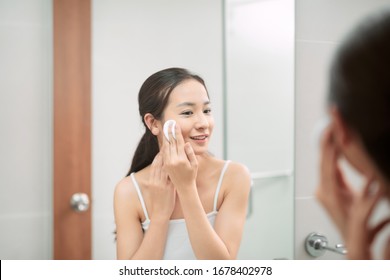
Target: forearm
153 242
204 240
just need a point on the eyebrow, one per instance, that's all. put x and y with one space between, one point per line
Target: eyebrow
191 104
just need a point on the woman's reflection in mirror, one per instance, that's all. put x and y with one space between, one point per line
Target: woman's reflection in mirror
178 201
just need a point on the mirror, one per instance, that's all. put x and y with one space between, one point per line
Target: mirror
247 63
260 118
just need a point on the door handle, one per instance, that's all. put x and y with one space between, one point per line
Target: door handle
79 202
317 244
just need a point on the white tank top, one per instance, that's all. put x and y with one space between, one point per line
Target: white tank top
178 245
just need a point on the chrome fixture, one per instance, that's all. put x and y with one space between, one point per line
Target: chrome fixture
79 202
317 244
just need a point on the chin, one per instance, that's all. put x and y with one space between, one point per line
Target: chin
200 151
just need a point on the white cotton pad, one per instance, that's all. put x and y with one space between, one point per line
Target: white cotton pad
167 124
318 130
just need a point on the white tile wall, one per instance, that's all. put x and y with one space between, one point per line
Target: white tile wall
330 20
310 217
320 27
312 62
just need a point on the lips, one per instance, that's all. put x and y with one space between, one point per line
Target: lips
199 137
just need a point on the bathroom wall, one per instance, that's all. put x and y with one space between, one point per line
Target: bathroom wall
320 27
26 129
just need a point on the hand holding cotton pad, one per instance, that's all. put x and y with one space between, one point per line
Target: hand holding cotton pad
167 124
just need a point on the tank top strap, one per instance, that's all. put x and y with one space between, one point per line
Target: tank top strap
219 184
141 199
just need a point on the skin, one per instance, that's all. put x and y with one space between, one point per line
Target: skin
180 184
349 209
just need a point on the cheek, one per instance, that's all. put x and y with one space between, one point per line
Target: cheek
185 129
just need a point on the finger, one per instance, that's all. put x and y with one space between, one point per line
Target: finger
340 179
191 155
179 141
331 176
386 253
164 150
378 228
163 176
172 142
178 135
328 154
326 137
373 192
370 188
171 132
163 172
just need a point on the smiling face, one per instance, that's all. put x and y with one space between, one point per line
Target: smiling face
189 106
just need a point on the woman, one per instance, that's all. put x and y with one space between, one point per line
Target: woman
359 131
177 200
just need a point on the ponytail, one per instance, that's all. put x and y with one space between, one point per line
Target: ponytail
146 150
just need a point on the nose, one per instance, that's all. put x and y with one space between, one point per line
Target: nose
201 122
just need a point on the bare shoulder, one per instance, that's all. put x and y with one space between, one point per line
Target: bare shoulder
124 187
238 171
125 195
238 177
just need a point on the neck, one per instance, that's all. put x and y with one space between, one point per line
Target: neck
203 159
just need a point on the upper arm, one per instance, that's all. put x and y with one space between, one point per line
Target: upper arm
129 232
231 216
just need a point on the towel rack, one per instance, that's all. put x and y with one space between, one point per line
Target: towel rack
271 174
261 176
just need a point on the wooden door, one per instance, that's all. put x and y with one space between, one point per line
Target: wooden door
72 126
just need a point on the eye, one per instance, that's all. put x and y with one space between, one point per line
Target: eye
207 111
187 113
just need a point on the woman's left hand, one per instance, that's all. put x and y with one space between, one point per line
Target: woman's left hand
179 159
333 192
350 210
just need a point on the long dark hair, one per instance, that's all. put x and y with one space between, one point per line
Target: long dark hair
360 86
153 98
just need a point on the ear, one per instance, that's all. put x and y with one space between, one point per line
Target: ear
152 124
342 133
